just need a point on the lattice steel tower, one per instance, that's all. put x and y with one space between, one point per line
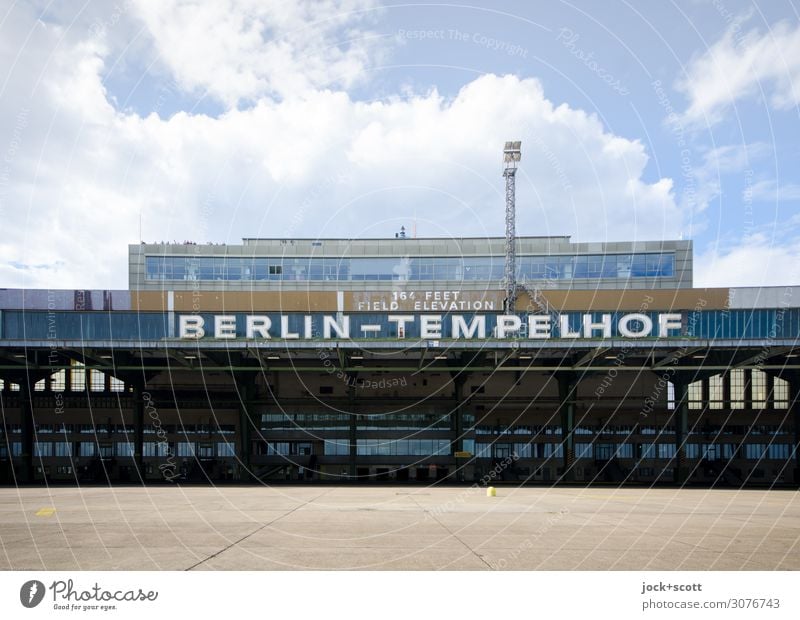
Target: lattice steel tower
512 153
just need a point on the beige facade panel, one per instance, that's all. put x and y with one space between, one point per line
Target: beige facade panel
427 301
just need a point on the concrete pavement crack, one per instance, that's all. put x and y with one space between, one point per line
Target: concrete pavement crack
256 531
453 534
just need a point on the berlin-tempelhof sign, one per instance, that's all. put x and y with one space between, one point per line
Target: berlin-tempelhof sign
538 326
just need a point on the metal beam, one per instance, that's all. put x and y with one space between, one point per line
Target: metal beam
761 356
676 355
591 355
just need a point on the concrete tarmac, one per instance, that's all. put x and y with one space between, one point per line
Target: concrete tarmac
397 528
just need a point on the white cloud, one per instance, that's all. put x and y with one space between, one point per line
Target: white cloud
757 260
743 65
316 163
242 50
770 191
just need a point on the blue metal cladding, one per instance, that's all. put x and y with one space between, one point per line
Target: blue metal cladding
33 325
120 325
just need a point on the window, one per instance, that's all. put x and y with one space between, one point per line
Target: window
670 395
63 448
278 448
523 450
475 268
666 450
106 450
736 377
87 448
40 386
205 450
124 448
42 448
185 448
695 394
780 393
553 450
116 385
77 376
715 392
754 451
97 380
225 449
336 448
583 450
647 451
58 380
758 381
780 451
155 448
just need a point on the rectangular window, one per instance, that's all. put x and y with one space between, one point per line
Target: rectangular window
87 448
553 450
336 447
278 448
778 451
117 385
225 449
42 448
583 450
666 450
124 448
754 451
736 377
647 451
522 450
759 388
63 448
40 386
155 448
97 380
695 395
185 448
780 393
77 376
715 394
670 395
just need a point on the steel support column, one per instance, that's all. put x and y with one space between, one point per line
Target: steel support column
567 392
138 429
246 385
681 418
28 430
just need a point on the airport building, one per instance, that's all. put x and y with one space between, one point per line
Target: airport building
397 360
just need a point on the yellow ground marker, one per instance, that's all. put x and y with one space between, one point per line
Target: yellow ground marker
45 512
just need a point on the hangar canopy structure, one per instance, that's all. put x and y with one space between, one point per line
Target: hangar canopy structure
394 360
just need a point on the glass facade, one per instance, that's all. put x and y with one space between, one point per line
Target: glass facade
481 268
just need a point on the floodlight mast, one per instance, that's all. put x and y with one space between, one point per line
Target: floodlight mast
512 153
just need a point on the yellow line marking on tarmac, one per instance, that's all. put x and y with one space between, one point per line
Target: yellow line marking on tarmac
45 512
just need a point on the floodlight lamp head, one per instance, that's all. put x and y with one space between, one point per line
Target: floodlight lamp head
512 153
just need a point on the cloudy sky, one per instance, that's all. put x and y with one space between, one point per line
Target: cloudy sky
217 120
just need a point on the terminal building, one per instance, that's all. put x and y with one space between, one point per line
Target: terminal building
357 360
